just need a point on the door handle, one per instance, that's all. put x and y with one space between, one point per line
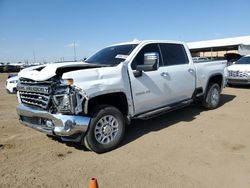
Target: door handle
164 74
191 70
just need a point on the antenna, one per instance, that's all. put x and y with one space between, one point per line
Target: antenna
74 51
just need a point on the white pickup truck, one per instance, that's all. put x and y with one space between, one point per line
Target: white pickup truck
92 101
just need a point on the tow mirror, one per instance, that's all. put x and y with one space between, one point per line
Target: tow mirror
151 63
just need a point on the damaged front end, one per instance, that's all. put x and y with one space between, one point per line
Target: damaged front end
55 107
68 99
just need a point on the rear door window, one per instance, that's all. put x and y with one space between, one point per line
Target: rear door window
173 54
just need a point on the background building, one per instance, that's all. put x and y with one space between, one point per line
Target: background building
218 48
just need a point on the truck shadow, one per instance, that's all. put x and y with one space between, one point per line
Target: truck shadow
139 128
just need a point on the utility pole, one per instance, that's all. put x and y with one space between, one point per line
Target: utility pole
74 51
34 55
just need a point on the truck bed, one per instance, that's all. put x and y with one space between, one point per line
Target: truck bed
206 69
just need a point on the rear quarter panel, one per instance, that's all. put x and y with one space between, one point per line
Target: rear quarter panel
205 70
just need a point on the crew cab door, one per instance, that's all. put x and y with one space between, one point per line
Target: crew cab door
179 71
172 82
149 90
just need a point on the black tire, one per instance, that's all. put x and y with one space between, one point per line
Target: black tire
229 85
14 90
110 131
212 97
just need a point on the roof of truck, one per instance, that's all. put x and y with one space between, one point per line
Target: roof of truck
148 41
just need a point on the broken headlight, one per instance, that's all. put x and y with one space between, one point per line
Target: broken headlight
68 100
62 103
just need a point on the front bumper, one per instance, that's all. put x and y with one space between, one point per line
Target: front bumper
53 124
240 81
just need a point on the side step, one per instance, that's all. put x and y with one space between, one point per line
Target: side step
163 110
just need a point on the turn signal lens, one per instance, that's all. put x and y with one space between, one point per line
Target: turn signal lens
68 82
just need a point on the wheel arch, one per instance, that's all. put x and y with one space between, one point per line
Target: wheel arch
116 99
215 78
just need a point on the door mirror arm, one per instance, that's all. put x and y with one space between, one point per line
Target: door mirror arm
151 63
137 73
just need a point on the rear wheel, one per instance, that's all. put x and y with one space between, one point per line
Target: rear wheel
106 130
212 98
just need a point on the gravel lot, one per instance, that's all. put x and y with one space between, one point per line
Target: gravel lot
190 147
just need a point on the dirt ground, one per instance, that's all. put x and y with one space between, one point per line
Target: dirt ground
190 147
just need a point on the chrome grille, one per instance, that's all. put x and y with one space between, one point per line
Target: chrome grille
239 74
32 82
34 98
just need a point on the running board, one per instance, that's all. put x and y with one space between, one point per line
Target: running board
164 110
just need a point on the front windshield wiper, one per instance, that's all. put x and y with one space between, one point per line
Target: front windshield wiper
97 64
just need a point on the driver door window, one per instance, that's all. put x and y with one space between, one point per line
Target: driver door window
139 59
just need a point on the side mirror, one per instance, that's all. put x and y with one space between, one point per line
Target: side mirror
151 62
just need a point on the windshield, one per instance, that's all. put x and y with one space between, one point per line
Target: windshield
243 60
111 55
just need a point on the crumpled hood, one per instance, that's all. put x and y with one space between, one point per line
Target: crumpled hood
93 79
45 72
239 67
100 80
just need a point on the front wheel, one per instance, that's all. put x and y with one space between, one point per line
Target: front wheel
106 130
212 98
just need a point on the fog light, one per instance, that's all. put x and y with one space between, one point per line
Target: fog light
49 124
68 125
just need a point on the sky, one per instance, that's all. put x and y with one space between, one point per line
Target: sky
45 30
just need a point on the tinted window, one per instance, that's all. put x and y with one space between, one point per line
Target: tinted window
173 54
139 59
111 55
243 60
